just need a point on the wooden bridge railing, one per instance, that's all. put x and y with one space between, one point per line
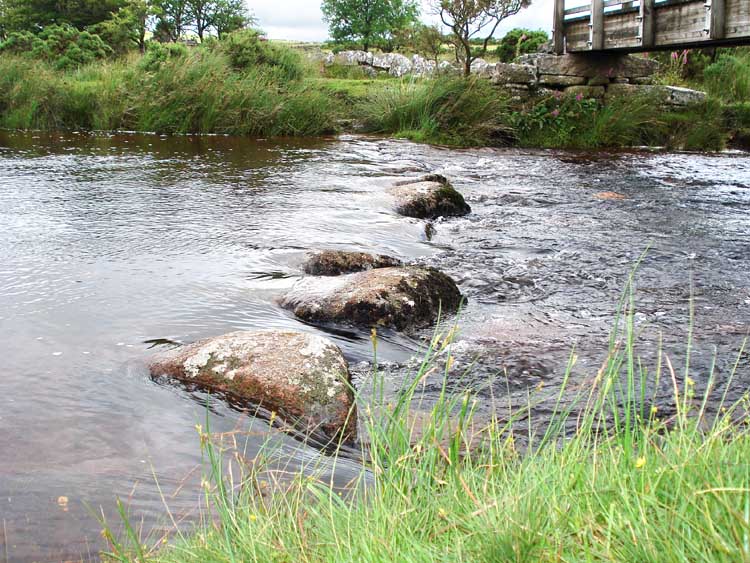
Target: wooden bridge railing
643 25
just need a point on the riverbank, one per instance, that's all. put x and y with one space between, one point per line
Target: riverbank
631 482
240 88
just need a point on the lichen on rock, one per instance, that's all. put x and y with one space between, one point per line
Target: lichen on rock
303 377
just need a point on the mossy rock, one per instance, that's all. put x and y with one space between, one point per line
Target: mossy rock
405 298
429 197
304 378
337 262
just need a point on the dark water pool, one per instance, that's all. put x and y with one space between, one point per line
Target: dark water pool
110 243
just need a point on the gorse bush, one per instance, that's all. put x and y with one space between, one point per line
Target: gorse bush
62 46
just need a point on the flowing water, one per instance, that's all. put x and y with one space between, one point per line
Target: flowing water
110 245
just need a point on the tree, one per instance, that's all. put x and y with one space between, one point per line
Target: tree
34 15
368 21
469 19
202 12
428 42
126 29
3 19
173 19
231 16
224 16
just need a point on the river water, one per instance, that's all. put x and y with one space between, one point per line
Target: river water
110 244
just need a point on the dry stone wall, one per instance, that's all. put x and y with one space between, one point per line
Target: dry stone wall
591 75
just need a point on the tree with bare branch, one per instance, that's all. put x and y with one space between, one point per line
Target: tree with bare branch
472 19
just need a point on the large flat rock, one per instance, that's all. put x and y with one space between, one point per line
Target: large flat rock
403 298
302 377
592 65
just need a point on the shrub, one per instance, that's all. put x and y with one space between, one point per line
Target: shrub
247 50
159 53
518 42
63 46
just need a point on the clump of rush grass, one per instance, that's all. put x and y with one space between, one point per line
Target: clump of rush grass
624 485
443 110
568 122
201 92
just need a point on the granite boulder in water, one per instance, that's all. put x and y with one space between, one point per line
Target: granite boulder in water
429 197
337 262
403 298
302 377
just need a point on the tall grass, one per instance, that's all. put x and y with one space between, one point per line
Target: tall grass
568 122
444 110
198 93
728 79
614 476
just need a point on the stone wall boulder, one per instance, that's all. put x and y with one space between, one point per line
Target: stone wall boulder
591 65
508 73
666 95
395 64
403 298
428 197
302 377
481 67
421 66
337 262
353 58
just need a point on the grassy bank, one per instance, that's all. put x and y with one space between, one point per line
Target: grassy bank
198 91
634 481
241 86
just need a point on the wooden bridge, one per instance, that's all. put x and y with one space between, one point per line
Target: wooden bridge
649 25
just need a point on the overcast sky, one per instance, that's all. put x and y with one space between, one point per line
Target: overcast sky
302 20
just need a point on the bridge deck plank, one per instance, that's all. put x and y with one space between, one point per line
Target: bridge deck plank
676 23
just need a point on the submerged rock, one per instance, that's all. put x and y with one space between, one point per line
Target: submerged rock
429 197
402 298
302 377
337 262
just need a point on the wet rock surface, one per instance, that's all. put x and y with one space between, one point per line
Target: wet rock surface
338 262
302 377
429 197
402 298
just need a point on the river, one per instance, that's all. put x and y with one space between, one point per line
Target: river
111 244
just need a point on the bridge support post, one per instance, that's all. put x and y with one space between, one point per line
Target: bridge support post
558 29
647 27
717 20
597 25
